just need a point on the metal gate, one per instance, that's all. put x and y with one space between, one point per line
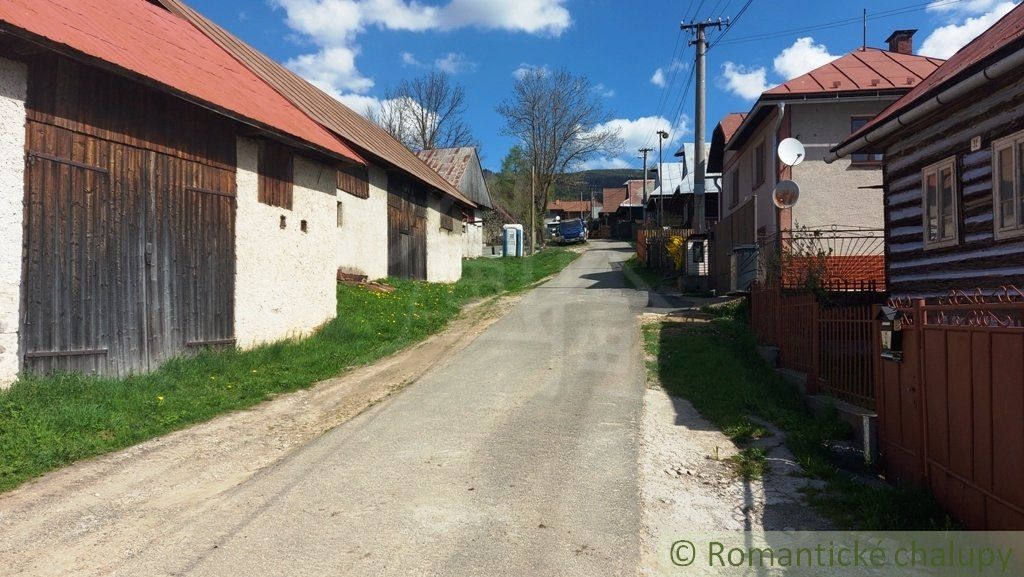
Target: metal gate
129 255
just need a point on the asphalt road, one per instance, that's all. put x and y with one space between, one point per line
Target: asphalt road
516 457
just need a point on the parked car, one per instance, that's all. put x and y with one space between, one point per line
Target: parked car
571 231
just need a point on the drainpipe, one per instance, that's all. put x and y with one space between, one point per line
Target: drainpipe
955 92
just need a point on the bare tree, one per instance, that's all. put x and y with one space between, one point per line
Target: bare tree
426 112
557 118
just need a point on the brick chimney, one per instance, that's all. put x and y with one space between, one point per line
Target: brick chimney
901 41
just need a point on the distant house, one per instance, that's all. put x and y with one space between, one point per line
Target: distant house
673 193
160 197
819 108
461 167
569 209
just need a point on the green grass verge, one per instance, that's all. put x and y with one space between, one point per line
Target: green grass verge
49 422
716 367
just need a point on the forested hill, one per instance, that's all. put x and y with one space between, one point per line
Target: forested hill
571 185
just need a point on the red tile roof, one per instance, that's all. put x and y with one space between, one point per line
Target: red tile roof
371 140
613 197
1008 29
570 205
731 123
636 191
868 69
148 41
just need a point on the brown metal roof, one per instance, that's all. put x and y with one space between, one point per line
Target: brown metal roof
144 42
1007 30
335 116
453 164
731 123
612 198
868 69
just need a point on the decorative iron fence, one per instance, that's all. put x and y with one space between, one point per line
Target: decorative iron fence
831 259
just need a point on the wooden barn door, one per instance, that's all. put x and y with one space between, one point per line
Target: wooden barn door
407 230
129 255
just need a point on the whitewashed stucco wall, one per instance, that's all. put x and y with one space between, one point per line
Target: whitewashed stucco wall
444 249
286 279
13 88
831 194
362 238
473 239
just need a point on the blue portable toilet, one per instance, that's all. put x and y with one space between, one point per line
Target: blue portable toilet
512 240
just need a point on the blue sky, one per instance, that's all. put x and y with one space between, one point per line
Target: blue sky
355 49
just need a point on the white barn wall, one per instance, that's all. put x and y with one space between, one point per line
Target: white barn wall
285 280
13 89
362 238
473 239
444 249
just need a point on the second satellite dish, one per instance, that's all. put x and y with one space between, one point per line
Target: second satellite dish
786 194
791 152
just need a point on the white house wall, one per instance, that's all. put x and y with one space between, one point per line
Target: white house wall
13 88
830 194
473 239
741 164
286 279
362 238
444 248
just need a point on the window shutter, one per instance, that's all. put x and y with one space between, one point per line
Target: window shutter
355 180
275 166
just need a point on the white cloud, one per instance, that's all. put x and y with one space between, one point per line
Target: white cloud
454 63
409 59
333 26
963 6
658 78
802 57
744 82
640 132
526 68
944 41
605 162
601 90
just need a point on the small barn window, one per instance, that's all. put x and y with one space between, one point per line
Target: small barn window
1008 186
354 180
940 204
341 214
275 171
447 223
758 164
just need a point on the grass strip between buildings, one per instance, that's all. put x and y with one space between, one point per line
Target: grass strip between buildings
49 422
716 367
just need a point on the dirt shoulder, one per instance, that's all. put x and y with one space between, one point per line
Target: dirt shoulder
49 526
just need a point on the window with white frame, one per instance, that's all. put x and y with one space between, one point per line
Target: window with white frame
940 204
1008 186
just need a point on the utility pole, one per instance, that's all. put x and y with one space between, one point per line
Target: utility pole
700 161
533 208
643 212
662 135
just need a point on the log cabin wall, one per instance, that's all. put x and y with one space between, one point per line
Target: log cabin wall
976 260
129 224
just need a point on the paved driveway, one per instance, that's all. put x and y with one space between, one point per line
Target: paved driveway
517 457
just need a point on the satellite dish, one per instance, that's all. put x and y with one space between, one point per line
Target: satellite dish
791 152
786 194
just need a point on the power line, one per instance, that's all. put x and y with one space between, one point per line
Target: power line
835 23
735 20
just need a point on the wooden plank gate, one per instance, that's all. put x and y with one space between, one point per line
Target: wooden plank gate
407 229
129 254
951 413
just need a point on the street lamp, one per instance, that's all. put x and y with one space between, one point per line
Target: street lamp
662 135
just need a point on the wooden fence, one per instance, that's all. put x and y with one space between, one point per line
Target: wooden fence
951 412
652 247
734 230
826 336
